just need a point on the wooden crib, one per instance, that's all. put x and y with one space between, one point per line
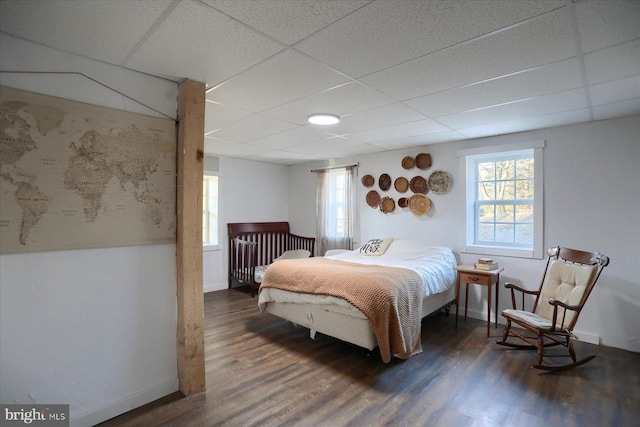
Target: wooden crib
254 245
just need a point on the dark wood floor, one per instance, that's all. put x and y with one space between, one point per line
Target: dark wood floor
262 371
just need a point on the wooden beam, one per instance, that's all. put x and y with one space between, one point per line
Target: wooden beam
191 371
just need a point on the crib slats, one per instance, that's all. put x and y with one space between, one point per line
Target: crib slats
258 244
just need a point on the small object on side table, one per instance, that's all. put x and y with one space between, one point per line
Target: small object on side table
469 274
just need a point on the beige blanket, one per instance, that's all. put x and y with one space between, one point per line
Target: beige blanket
390 297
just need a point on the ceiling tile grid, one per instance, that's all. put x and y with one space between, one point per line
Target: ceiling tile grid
83 28
544 80
544 40
400 73
406 30
282 78
207 43
350 98
602 24
285 20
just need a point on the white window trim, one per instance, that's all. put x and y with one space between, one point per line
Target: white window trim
538 210
218 247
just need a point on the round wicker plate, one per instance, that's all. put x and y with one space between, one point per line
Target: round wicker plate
387 205
423 161
368 180
418 185
373 198
408 162
401 184
439 181
384 182
419 204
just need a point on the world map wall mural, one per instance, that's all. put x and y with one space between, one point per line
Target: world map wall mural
75 175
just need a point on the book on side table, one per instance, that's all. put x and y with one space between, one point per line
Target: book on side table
486 264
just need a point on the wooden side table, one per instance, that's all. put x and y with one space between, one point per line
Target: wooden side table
470 275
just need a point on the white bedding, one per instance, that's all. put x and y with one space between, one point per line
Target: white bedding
434 265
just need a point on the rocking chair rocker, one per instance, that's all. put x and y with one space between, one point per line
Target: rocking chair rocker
568 279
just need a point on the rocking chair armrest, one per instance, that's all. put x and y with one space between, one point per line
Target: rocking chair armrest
522 291
555 303
518 288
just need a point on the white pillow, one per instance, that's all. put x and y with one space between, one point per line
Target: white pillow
332 252
402 246
376 247
294 254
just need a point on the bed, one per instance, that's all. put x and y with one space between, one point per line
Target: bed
422 275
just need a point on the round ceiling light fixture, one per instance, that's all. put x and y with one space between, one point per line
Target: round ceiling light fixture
323 119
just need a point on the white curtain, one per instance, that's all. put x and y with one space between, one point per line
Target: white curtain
335 208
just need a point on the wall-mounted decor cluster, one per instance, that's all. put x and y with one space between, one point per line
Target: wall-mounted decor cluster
438 182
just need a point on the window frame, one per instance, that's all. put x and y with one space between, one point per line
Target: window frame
335 206
206 247
468 159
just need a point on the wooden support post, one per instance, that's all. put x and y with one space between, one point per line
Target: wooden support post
191 372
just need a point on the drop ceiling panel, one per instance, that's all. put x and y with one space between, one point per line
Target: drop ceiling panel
613 63
617 90
405 30
549 120
224 148
534 107
348 151
601 25
616 109
287 21
197 38
417 141
387 115
403 130
345 99
541 41
326 145
280 79
251 128
82 27
543 80
282 157
219 115
289 138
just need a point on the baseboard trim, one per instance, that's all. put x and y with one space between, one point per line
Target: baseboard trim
215 287
581 335
587 337
127 404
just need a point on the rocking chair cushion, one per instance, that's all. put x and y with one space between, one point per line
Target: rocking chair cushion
566 282
529 318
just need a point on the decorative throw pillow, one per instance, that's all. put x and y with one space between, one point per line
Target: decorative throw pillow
376 247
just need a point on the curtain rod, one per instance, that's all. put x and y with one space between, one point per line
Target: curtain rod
335 167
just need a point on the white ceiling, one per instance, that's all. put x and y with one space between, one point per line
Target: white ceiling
400 73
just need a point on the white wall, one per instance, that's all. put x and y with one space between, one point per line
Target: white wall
249 191
592 202
94 328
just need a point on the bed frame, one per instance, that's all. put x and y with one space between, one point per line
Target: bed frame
253 244
338 322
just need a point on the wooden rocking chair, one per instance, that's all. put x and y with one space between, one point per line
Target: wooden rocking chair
568 279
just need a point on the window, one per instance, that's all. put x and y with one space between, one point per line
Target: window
210 212
504 200
335 204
